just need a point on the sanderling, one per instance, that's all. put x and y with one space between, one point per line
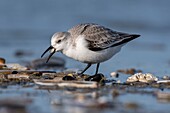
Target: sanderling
89 43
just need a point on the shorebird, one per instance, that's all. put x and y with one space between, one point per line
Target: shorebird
89 43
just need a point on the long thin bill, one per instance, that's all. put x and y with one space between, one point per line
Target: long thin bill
48 49
51 54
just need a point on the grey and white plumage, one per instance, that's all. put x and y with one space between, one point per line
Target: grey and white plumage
89 43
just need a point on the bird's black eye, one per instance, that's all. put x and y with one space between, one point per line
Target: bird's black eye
58 41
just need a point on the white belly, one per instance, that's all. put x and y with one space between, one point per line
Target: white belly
83 54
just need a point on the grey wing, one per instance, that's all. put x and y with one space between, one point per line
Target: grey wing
100 37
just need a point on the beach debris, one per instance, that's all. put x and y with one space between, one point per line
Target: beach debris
54 63
129 71
114 74
59 83
140 77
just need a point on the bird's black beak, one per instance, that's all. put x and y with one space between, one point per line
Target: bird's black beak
51 54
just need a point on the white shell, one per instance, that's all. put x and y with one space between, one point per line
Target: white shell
140 77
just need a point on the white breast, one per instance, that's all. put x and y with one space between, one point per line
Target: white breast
81 53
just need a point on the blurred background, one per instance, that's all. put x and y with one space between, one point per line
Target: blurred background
27 26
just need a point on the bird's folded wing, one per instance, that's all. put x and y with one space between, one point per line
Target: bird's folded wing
100 37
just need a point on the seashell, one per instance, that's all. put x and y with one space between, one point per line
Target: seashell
140 77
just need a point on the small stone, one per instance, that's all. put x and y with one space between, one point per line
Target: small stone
114 74
166 77
68 78
14 72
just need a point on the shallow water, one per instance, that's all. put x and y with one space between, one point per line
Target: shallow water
28 26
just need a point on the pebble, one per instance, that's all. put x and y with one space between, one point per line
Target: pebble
68 78
114 74
140 77
166 77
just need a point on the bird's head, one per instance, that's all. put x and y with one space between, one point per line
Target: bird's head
58 43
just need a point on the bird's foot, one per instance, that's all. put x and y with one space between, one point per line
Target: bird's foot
97 77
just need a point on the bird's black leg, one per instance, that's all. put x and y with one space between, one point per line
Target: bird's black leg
97 68
88 65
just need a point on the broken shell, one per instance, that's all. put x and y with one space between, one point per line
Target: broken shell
75 84
140 77
163 81
68 78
